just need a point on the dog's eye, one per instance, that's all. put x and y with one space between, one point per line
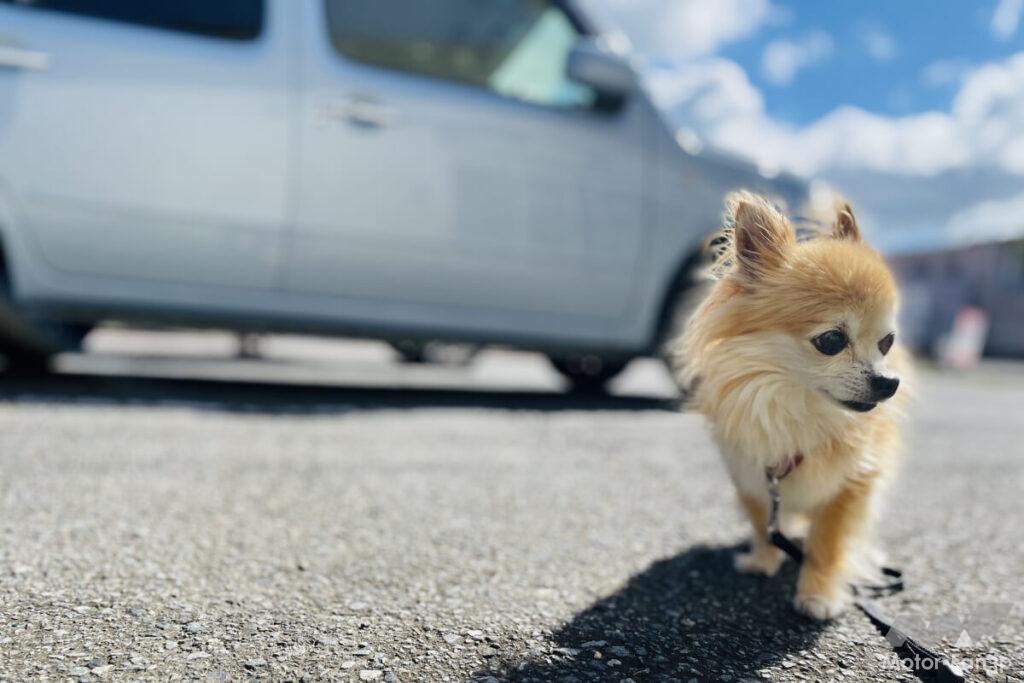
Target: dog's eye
830 343
886 343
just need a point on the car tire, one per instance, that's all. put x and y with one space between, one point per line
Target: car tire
410 350
435 353
25 363
588 373
27 360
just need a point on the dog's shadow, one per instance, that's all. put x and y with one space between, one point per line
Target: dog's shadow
689 616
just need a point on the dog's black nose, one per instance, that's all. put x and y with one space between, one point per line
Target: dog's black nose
884 387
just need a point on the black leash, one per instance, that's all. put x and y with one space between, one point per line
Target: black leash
925 663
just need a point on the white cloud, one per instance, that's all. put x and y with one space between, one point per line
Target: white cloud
985 126
989 220
879 43
709 90
714 98
681 29
1006 19
957 172
946 72
782 59
849 137
990 107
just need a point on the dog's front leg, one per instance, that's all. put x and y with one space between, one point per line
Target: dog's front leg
763 557
822 590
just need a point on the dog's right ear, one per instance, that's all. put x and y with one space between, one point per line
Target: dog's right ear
762 236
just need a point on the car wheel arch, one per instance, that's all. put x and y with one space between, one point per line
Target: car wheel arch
681 282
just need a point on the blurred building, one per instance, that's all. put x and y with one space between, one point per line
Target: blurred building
939 284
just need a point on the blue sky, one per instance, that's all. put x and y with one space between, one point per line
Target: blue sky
882 55
913 109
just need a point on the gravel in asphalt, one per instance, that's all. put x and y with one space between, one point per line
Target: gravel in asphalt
155 529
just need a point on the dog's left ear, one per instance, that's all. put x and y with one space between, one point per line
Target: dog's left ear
845 227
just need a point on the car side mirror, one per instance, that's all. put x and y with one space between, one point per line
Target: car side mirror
595 63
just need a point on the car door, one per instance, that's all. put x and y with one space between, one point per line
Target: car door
452 176
149 143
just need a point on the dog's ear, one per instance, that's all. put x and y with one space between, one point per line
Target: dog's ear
845 227
762 236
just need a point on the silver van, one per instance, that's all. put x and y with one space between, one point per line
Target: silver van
490 172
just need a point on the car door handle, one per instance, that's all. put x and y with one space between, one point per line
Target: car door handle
12 57
358 111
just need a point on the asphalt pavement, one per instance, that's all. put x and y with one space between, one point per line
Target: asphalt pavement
171 512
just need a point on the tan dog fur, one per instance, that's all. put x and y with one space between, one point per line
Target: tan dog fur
769 394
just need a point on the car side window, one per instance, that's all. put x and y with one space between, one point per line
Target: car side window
228 19
516 48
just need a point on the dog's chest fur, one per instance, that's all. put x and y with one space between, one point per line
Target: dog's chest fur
761 420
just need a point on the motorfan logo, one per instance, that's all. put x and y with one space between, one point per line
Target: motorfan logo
984 621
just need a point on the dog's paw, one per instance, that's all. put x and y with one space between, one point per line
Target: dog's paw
766 561
820 606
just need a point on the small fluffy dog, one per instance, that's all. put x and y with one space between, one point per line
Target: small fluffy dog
791 357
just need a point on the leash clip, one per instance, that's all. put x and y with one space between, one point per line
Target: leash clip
775 535
773 494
